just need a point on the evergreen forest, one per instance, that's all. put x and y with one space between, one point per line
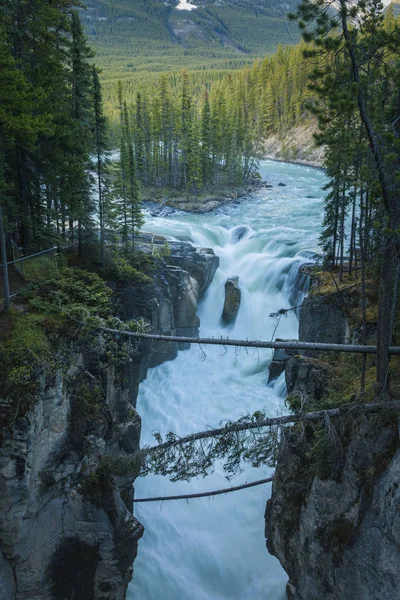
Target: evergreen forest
137 193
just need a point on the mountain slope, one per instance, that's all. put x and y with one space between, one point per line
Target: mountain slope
131 35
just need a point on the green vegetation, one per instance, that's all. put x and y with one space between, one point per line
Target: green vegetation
46 110
150 35
174 132
35 339
187 133
354 93
198 140
355 87
98 488
23 354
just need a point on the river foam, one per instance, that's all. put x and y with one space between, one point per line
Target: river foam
214 549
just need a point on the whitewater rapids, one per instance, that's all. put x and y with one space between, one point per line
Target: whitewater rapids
214 549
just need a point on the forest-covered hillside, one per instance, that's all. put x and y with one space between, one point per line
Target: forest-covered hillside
131 35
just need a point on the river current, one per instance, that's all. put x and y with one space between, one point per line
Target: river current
214 549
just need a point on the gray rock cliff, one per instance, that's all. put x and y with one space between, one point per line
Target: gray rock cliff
323 320
67 528
334 526
332 520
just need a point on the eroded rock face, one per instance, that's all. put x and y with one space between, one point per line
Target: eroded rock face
323 320
334 524
169 303
67 528
232 300
7 583
200 263
308 377
332 520
49 525
279 360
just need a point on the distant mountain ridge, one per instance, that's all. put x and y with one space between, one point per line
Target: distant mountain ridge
153 35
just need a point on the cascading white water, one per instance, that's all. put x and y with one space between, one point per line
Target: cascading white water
214 549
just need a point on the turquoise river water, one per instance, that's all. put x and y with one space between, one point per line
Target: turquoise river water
214 549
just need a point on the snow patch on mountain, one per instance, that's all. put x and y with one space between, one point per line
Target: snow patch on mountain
186 5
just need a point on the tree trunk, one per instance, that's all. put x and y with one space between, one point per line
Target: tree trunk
392 210
4 261
386 288
101 217
23 189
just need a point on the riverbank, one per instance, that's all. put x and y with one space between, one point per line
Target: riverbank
296 146
164 204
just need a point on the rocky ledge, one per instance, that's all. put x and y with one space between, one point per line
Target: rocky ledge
67 528
332 520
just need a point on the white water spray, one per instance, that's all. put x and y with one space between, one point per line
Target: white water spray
215 549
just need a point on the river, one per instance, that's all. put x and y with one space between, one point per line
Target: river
214 549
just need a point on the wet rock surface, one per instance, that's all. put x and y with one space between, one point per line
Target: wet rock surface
232 300
239 232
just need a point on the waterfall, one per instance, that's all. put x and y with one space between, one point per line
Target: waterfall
215 548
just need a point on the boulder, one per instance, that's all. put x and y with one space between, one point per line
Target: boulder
281 184
232 300
185 292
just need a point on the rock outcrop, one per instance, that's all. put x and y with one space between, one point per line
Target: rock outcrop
63 531
332 520
200 263
279 360
323 320
170 301
308 377
239 232
232 300
67 528
333 524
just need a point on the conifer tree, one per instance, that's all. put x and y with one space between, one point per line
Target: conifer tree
194 166
100 134
80 200
206 141
360 53
127 189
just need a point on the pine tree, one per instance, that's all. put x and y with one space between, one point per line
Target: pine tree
100 134
129 214
357 69
80 200
194 170
206 141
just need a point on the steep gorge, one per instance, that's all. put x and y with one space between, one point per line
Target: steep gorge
66 522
